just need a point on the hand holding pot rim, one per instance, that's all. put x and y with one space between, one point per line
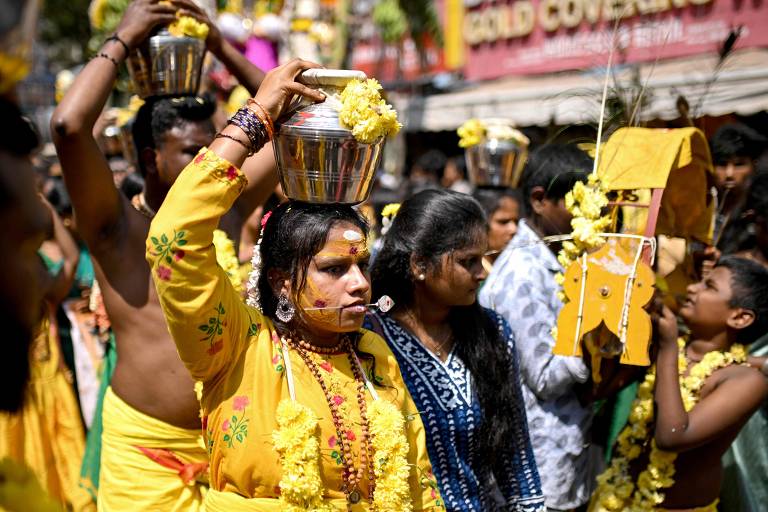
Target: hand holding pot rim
280 85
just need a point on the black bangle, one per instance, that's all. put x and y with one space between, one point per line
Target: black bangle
115 37
110 58
246 146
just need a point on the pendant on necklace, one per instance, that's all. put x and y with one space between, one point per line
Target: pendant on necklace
354 497
438 353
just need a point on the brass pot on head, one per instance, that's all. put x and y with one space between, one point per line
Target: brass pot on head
167 65
499 158
318 160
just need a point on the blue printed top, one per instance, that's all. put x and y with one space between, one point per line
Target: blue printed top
443 393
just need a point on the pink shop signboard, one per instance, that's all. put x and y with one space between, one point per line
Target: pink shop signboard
540 36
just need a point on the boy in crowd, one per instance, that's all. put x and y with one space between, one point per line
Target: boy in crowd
522 288
152 456
735 150
696 419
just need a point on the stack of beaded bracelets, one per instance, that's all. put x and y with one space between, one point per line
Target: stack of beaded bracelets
255 122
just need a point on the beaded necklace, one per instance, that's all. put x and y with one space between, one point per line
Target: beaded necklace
352 476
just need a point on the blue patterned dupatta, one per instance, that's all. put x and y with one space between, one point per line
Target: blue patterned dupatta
452 416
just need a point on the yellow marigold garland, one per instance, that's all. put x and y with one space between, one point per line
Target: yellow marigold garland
390 455
226 257
365 113
186 26
296 442
615 489
585 202
471 133
475 131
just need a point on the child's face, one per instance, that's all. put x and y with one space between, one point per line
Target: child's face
556 219
503 224
707 308
734 173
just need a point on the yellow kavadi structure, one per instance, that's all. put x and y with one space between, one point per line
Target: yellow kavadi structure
659 180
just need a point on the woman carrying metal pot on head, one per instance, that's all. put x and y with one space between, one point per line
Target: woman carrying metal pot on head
458 359
302 409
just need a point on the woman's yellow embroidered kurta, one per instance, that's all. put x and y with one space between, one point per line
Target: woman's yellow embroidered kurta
237 354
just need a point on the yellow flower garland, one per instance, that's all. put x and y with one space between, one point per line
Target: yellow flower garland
475 131
390 455
471 133
585 202
186 26
296 442
616 491
365 113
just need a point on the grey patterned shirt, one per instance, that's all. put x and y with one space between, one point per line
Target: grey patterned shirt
521 288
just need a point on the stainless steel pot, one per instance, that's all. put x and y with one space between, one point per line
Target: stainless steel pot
167 65
318 160
496 162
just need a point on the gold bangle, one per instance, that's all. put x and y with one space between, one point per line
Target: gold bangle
264 116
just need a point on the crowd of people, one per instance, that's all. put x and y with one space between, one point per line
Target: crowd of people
183 337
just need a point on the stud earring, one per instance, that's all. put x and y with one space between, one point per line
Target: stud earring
285 309
421 277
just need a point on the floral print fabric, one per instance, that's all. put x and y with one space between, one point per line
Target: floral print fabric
236 352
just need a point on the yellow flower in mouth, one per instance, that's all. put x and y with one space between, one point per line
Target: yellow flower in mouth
471 133
185 26
365 113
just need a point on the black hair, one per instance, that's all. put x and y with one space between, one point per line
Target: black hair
428 225
159 114
749 290
293 234
58 196
490 198
739 234
736 140
132 185
18 135
556 168
432 162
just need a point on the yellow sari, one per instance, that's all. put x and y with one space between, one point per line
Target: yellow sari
236 352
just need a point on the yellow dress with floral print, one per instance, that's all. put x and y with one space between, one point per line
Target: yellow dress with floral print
235 351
